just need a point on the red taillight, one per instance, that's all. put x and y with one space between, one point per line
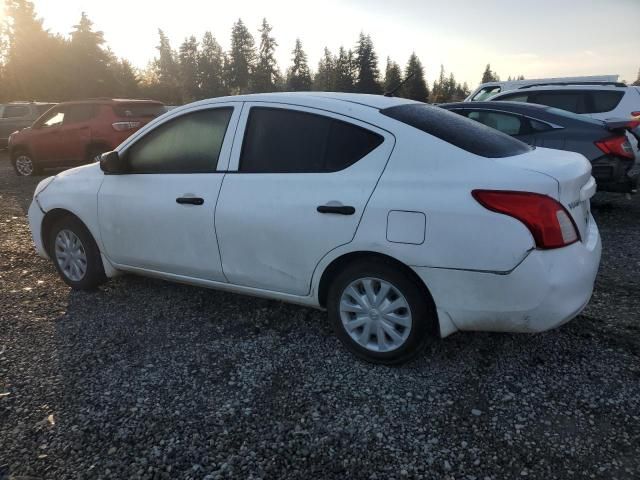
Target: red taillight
616 146
547 220
124 126
635 114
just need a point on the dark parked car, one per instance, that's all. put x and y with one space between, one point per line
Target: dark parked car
73 133
604 143
18 115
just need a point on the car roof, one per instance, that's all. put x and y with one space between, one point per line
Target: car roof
111 101
377 102
494 105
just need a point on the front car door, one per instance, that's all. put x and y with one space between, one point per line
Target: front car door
159 217
74 135
45 143
298 184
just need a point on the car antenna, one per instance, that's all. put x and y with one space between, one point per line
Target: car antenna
390 93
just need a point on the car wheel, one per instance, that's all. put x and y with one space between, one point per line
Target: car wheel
24 165
75 254
379 313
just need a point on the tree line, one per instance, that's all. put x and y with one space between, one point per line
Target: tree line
36 64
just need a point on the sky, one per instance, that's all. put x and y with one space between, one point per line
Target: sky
541 38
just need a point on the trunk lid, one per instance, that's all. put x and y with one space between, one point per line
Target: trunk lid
572 173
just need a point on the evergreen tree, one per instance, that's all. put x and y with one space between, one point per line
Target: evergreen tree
166 72
211 67
36 63
266 75
416 87
299 76
90 62
392 77
489 75
325 78
189 73
366 63
637 82
439 91
126 80
344 71
242 57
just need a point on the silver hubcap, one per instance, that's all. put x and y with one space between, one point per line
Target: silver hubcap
24 165
375 314
70 255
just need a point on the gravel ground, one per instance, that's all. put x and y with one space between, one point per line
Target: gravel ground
147 379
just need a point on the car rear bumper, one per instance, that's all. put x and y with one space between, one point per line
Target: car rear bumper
548 288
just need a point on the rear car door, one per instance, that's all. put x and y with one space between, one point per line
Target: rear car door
298 184
159 216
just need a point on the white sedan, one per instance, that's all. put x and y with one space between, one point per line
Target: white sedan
404 221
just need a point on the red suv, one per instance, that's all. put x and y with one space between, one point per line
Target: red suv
74 133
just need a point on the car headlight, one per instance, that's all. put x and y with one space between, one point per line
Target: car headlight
42 185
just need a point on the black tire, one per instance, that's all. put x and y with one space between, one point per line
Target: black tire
21 171
423 314
94 274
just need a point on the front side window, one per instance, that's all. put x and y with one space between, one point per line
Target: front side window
504 122
188 144
53 118
15 111
288 141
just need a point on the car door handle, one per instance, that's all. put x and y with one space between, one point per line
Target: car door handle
190 200
339 209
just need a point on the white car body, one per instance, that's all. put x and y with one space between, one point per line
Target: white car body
260 234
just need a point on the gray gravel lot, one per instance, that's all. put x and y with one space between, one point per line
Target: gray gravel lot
147 379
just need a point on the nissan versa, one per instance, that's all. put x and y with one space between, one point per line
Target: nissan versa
404 221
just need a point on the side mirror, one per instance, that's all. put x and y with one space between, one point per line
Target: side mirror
111 162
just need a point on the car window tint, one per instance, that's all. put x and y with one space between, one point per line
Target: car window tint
517 97
509 124
44 107
486 92
289 141
188 144
456 130
573 101
53 119
605 101
15 111
79 113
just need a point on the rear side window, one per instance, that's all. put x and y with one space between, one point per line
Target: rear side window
516 97
461 132
575 101
288 141
504 122
188 144
15 111
79 113
138 109
605 101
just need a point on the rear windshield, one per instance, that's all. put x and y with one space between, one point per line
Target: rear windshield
457 130
139 109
